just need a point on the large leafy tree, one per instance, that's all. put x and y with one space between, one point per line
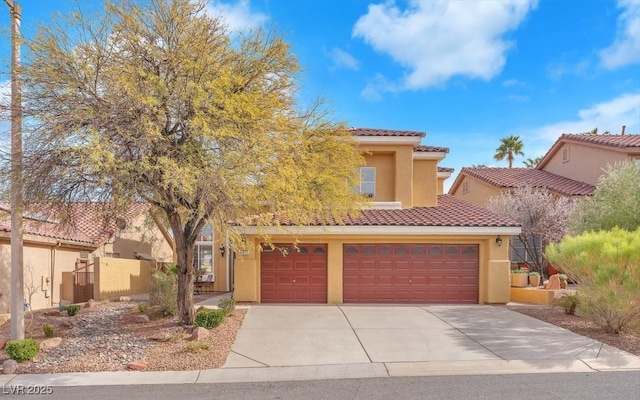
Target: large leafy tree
161 103
615 203
510 147
544 219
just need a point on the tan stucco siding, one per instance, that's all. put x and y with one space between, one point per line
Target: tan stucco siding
404 177
43 267
141 236
394 172
479 191
425 183
384 163
493 263
585 163
441 185
114 277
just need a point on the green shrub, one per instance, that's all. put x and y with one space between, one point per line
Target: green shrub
72 309
164 292
519 271
194 347
227 305
606 267
48 330
142 307
568 302
21 350
208 319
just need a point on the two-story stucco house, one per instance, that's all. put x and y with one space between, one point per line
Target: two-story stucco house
571 167
412 245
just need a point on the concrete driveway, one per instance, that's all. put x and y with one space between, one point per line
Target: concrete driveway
415 338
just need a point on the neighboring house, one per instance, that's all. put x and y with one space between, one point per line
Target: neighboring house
571 168
413 244
52 250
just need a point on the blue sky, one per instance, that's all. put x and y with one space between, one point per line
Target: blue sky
465 72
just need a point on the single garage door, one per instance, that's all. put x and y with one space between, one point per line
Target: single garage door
410 273
294 275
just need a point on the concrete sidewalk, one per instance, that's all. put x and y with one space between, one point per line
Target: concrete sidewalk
285 343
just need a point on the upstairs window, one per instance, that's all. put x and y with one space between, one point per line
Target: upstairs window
368 181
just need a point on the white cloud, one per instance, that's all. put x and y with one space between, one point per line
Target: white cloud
625 49
606 116
436 40
513 83
342 59
237 15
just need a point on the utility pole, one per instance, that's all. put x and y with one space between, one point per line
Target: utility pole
17 276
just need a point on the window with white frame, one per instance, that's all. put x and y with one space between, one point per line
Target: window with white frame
204 250
368 181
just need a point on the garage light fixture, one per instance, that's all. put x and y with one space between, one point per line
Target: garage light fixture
499 241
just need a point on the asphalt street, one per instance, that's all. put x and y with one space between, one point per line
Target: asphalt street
569 386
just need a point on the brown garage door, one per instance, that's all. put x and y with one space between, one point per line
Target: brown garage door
410 273
300 276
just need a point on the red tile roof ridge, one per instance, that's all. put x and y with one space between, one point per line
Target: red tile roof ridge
619 141
385 132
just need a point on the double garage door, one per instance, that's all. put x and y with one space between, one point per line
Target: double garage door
374 273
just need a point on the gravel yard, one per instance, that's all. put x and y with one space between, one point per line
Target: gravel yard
108 337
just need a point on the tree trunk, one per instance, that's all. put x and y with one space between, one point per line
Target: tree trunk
185 253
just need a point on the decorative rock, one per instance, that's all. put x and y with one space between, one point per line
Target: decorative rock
141 318
90 303
52 313
50 343
160 337
69 322
3 341
138 365
199 333
123 299
9 367
554 282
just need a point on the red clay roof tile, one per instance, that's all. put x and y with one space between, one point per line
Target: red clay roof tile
422 148
450 212
85 224
384 132
620 141
518 177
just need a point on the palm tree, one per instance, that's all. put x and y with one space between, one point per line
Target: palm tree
509 147
532 162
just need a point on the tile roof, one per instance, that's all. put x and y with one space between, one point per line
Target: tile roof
385 132
518 177
422 148
450 212
620 141
84 223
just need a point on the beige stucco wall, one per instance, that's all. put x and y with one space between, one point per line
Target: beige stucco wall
114 277
493 274
384 163
585 162
479 191
394 172
441 185
142 236
425 183
44 264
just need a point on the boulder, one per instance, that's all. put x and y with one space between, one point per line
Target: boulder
50 343
199 333
69 322
138 365
159 337
91 303
3 341
141 318
124 299
9 367
554 283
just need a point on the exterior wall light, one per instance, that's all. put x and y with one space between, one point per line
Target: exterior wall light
499 241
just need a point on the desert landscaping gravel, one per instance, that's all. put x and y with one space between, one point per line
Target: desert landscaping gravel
110 337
